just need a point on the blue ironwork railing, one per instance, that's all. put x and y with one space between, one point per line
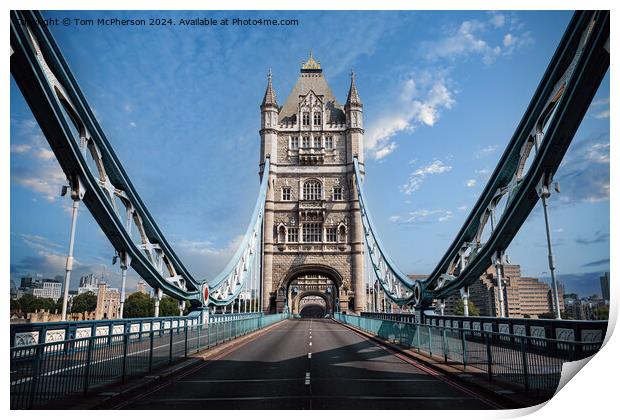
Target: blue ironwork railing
531 362
46 373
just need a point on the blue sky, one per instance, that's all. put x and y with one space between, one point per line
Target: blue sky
442 92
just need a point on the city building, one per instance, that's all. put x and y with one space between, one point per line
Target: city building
312 217
523 296
576 308
108 302
88 283
141 287
605 286
50 288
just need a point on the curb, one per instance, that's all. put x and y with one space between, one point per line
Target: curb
107 399
500 395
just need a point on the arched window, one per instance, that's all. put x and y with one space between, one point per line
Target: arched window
342 234
312 190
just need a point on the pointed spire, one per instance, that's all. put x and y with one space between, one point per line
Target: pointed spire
270 95
353 97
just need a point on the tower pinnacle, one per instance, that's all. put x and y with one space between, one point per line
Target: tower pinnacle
353 97
270 95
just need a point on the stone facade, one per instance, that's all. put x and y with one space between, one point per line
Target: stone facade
312 223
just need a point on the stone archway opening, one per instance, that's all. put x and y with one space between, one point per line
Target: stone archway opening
312 290
312 306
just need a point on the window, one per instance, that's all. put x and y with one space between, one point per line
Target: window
316 142
312 190
305 142
286 193
294 142
337 194
312 232
317 118
330 234
329 142
342 234
293 234
305 118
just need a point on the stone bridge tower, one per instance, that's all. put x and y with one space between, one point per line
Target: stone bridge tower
312 232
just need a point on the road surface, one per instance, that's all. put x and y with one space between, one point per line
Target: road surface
308 364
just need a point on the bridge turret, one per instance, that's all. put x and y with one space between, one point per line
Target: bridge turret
269 123
355 131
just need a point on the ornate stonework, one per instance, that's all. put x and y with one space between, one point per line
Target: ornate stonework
312 218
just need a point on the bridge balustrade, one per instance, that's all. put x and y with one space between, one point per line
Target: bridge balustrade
501 350
47 372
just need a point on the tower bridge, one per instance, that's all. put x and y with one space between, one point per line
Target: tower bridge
310 248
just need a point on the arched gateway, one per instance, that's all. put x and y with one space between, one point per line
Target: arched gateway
312 224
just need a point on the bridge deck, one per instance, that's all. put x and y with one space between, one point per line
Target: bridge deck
281 369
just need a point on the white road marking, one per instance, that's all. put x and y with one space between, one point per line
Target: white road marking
307 378
311 343
309 355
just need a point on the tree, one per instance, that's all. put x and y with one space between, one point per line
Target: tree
168 306
460 308
602 312
86 302
15 305
139 305
30 303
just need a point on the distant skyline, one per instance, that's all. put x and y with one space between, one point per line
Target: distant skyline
442 93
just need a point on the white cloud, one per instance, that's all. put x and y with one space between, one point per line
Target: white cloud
470 183
599 109
487 150
469 39
421 101
385 150
465 41
584 172
423 216
497 20
132 124
44 153
417 177
463 208
20 148
43 179
203 258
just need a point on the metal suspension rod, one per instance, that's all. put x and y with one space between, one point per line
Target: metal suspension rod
544 194
77 193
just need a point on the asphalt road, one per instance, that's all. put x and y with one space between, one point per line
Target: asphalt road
308 364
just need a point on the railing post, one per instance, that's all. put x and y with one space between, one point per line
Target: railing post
186 338
40 349
525 368
151 338
443 344
171 339
199 329
489 356
464 347
125 345
89 354
430 341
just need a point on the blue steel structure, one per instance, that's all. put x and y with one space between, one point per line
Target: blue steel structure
73 357
98 178
520 178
